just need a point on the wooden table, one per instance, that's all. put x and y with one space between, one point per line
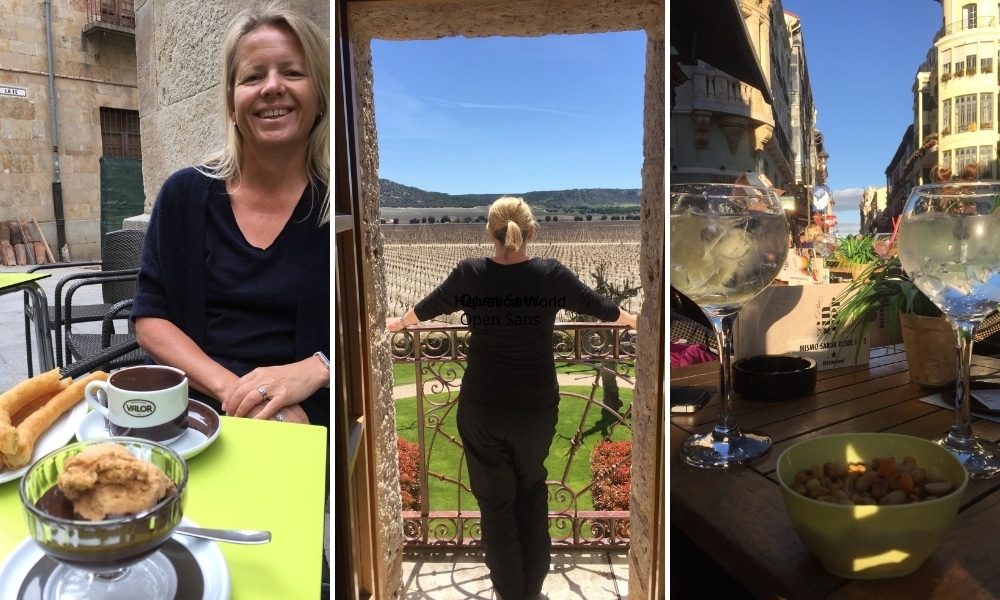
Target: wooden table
256 475
738 516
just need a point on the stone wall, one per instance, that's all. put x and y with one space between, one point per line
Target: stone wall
432 20
89 74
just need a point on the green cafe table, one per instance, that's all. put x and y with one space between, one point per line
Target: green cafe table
28 282
255 475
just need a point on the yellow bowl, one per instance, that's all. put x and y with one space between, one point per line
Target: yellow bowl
870 542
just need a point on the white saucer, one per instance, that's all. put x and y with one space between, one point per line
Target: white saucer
54 438
203 428
204 555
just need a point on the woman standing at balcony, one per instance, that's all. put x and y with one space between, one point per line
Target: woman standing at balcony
234 284
509 400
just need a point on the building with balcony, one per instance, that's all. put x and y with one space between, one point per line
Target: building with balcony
69 116
967 49
802 119
724 124
954 104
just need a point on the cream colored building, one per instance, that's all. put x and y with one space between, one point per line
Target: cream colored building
967 50
722 126
51 160
955 103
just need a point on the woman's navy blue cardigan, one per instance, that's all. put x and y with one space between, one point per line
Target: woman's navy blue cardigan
172 270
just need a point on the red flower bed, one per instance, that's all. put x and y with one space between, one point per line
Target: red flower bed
409 485
611 468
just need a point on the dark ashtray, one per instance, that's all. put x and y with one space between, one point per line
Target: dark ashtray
769 377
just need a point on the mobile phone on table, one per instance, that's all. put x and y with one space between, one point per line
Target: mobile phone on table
688 399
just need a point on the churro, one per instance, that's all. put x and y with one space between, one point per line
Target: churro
28 431
19 396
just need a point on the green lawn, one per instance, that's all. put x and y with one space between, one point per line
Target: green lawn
446 454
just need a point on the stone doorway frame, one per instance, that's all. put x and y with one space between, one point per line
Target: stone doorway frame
401 20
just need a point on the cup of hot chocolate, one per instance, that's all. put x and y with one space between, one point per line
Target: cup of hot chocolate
148 402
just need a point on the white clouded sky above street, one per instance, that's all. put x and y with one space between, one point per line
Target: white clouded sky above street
511 115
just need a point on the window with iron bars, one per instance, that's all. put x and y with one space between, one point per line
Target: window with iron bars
120 133
118 12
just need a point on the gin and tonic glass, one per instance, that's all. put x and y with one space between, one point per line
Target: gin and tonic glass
727 243
949 245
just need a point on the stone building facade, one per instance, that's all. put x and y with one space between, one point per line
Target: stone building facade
94 68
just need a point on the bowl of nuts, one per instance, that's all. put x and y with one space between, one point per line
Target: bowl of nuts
871 505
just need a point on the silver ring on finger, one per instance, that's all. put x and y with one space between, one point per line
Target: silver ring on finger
263 392
279 416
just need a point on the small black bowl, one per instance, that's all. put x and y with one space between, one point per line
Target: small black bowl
769 377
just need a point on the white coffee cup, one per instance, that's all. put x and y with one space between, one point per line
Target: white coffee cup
148 401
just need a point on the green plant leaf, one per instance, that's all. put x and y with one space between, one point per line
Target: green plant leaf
883 285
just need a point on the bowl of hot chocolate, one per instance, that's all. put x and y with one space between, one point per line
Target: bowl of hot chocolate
102 505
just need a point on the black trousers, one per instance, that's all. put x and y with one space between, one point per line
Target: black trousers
505 452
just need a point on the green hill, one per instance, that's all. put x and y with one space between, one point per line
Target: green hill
396 195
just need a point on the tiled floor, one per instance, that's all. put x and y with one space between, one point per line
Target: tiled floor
462 575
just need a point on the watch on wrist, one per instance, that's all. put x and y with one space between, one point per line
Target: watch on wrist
322 357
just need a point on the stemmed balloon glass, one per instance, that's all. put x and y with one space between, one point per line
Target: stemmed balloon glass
949 245
727 243
825 244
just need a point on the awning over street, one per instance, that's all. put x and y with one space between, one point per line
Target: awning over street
714 31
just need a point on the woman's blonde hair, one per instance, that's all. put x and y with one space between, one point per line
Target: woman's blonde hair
226 163
509 222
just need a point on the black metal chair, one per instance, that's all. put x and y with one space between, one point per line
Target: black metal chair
82 346
120 252
100 361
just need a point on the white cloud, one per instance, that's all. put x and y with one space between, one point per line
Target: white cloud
847 208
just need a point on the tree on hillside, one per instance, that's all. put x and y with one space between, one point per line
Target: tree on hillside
621 295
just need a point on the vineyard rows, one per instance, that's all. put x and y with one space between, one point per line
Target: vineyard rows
419 257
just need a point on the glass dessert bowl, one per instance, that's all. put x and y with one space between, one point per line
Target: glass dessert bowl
115 557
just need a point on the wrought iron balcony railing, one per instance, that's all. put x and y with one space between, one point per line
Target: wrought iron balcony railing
443 511
969 23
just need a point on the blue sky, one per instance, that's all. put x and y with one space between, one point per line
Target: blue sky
863 56
511 115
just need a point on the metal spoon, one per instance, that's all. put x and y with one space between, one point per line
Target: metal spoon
234 536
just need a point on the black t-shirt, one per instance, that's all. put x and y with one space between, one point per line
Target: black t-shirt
510 311
252 294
